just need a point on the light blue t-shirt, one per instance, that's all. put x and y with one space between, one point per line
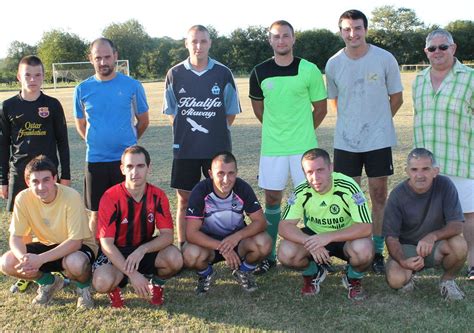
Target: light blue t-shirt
110 108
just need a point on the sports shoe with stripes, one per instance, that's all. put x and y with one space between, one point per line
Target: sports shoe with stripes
47 291
116 298
157 297
355 290
311 284
450 290
245 279
204 283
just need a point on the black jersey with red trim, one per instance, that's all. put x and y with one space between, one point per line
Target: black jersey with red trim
31 128
129 222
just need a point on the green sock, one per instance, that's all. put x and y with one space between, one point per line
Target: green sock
352 274
45 279
312 269
157 281
273 215
82 285
378 243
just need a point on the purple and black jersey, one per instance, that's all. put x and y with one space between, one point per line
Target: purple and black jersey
222 216
200 103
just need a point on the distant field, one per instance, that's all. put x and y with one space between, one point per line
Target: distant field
277 306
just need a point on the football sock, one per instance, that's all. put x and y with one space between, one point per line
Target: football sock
206 272
82 285
352 274
246 267
157 281
312 269
45 279
273 215
378 243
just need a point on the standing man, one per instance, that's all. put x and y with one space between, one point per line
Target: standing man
111 114
201 100
56 216
336 223
365 89
289 99
423 222
129 214
216 228
31 123
443 102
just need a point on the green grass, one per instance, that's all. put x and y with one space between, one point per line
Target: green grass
277 305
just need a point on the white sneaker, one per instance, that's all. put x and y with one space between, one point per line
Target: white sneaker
450 290
46 292
84 301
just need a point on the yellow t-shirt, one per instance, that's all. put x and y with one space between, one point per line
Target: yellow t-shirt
52 223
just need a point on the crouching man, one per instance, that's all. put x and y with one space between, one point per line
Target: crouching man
216 230
337 223
128 215
55 214
423 223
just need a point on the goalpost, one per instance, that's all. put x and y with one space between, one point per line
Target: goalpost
81 70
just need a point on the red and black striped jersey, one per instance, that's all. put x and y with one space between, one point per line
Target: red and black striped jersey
129 222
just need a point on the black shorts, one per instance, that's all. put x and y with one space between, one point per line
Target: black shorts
56 265
146 267
377 163
335 249
98 178
186 173
16 184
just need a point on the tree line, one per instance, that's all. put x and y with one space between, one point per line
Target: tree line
397 30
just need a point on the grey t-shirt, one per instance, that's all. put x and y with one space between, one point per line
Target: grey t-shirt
362 86
410 216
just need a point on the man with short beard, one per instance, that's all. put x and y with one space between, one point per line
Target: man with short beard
106 106
289 99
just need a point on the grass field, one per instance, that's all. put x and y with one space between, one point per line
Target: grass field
277 305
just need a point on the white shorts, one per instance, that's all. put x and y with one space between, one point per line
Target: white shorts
465 187
273 171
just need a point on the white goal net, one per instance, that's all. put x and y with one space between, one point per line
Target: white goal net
66 72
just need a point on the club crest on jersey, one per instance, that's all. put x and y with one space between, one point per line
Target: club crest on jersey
43 112
358 198
334 209
291 199
150 217
215 90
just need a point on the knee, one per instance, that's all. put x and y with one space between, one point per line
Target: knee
264 243
102 283
173 259
191 256
395 276
361 251
458 246
287 253
76 264
7 263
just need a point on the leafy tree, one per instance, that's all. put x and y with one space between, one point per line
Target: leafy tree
16 51
131 41
155 62
391 19
60 46
248 47
317 46
463 35
399 31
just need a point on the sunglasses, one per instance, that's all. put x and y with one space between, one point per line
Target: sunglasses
442 47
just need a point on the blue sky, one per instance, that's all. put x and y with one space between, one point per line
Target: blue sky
27 20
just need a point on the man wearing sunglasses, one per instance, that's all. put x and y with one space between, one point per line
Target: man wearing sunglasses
443 102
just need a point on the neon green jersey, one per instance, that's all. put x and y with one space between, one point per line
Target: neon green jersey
337 209
287 94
